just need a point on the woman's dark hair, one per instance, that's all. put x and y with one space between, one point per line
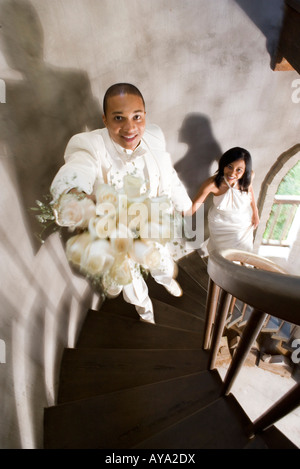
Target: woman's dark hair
228 157
120 88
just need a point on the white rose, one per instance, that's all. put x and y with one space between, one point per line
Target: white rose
109 286
121 239
159 232
102 226
97 258
74 211
106 194
75 247
137 217
146 254
120 273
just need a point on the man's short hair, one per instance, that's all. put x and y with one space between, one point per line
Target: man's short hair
120 88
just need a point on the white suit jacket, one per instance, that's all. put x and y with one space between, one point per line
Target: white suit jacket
89 157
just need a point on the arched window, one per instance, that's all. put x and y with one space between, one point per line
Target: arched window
276 236
284 220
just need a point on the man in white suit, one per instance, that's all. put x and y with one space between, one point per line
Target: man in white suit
125 146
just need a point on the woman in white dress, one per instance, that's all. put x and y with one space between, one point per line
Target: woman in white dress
233 215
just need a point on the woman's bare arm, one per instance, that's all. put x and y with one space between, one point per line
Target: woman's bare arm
205 189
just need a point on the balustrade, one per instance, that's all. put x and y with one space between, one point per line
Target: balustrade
269 291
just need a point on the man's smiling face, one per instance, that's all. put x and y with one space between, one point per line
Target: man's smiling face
125 120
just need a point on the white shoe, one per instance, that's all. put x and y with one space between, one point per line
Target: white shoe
174 288
148 316
146 311
114 291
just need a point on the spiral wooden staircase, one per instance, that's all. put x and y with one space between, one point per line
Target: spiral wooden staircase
133 385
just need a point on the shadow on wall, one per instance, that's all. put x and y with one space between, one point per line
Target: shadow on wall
203 153
267 16
43 110
36 336
42 302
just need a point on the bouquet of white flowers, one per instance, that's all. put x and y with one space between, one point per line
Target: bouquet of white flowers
120 235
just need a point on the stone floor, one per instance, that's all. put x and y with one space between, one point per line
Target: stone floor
257 389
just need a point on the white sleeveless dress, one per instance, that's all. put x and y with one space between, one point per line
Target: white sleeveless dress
230 222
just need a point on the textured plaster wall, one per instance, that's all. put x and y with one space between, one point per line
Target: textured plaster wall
204 70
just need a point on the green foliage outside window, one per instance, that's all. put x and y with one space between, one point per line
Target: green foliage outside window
290 185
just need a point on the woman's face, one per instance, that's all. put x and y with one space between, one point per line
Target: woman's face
234 171
125 120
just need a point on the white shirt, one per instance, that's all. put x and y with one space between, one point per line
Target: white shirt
93 157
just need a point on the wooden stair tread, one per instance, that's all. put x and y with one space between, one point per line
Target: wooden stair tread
272 325
275 439
237 316
90 372
169 315
122 419
191 287
191 304
165 314
102 329
283 333
208 428
130 384
221 424
196 267
119 306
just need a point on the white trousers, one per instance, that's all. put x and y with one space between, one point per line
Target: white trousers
136 292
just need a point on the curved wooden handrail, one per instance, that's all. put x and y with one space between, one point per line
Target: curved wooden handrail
214 287
267 287
254 260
